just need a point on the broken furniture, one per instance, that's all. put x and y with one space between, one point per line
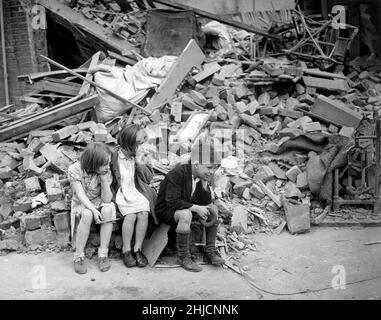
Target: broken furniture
361 175
322 41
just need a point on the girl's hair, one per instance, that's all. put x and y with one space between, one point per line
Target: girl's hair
127 138
94 156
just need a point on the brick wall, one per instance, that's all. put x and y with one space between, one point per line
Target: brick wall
20 45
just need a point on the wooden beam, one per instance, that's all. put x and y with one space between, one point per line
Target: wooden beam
192 56
326 84
22 128
104 34
61 88
126 60
39 75
221 19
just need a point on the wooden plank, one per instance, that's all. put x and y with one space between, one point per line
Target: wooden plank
39 75
71 100
23 128
220 18
336 112
126 60
104 34
326 84
86 86
6 107
33 100
192 56
324 74
153 247
56 87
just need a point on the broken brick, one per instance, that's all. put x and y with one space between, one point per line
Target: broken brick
65 132
293 173
32 184
62 222
257 192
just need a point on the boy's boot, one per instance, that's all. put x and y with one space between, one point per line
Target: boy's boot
183 253
210 254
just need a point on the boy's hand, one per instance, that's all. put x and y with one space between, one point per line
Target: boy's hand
97 216
202 212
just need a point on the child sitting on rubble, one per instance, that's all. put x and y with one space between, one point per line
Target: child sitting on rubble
91 179
134 198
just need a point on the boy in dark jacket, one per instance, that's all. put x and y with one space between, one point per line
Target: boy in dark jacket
185 194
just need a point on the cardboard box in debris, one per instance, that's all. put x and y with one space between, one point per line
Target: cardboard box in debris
273 113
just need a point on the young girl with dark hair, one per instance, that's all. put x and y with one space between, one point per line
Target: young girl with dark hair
91 179
134 198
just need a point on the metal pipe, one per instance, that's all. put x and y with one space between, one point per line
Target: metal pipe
6 89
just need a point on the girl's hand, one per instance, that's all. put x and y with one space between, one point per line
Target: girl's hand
97 216
106 178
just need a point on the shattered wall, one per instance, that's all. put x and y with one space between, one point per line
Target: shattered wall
23 47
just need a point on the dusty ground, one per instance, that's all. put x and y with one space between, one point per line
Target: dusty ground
282 264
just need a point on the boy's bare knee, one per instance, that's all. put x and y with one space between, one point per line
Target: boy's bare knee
87 216
183 216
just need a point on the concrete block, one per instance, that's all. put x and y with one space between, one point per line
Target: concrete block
347 131
100 133
189 103
246 194
311 127
30 222
293 173
291 190
218 80
40 237
302 181
333 129
290 132
9 245
198 98
62 222
241 107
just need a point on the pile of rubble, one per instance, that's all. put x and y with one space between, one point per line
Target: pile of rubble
253 106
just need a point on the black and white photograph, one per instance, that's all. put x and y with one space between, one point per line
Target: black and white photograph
187 156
